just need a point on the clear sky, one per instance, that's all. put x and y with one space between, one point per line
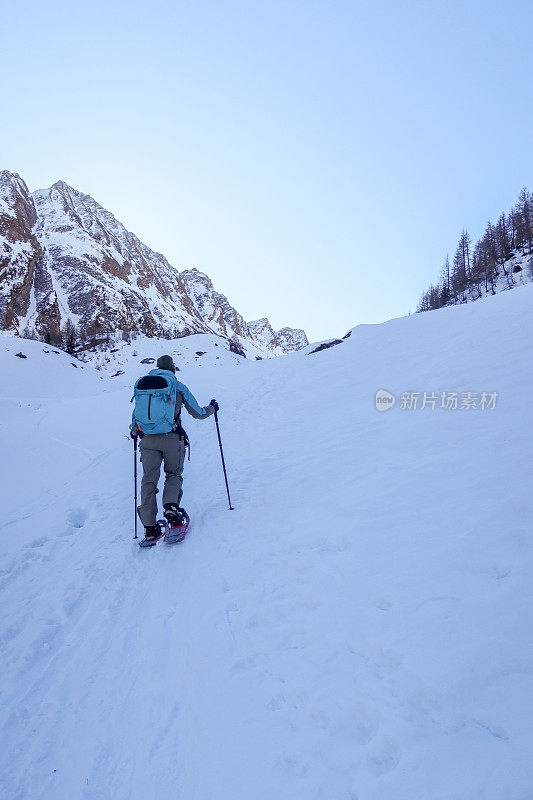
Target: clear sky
316 159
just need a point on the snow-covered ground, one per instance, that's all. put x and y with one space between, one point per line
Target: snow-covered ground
358 627
200 348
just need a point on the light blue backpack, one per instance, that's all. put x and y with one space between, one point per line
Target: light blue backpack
155 402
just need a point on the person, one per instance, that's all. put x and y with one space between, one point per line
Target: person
169 449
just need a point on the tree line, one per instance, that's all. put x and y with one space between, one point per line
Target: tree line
475 268
71 337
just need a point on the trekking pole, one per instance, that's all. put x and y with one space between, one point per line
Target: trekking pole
223 464
135 482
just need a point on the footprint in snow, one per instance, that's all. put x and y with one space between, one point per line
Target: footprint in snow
382 604
294 764
277 702
43 642
11 632
73 599
356 723
77 517
248 662
295 641
383 756
38 542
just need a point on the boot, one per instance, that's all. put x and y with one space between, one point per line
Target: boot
152 532
173 515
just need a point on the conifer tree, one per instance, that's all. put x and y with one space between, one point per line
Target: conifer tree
70 336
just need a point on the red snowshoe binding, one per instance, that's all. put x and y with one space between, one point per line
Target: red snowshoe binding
177 523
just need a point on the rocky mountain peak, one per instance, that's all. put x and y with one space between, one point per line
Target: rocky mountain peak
65 257
19 248
15 199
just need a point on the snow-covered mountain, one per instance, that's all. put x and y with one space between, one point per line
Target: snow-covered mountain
358 627
215 308
19 250
63 256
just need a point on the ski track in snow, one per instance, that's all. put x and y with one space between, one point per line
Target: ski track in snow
357 629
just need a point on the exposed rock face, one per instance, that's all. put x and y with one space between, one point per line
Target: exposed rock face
261 330
290 339
106 278
63 256
215 308
19 249
200 290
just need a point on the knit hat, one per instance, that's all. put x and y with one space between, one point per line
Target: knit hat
165 362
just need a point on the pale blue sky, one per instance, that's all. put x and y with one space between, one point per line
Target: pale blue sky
316 159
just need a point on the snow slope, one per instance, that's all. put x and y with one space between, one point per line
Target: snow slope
200 348
359 626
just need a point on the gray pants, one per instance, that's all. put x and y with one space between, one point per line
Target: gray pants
156 448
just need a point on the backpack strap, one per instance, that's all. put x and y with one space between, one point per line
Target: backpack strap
183 435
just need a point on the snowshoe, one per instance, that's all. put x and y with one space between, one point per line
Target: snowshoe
152 533
176 533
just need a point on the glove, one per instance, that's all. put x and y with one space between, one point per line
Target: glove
214 405
134 432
